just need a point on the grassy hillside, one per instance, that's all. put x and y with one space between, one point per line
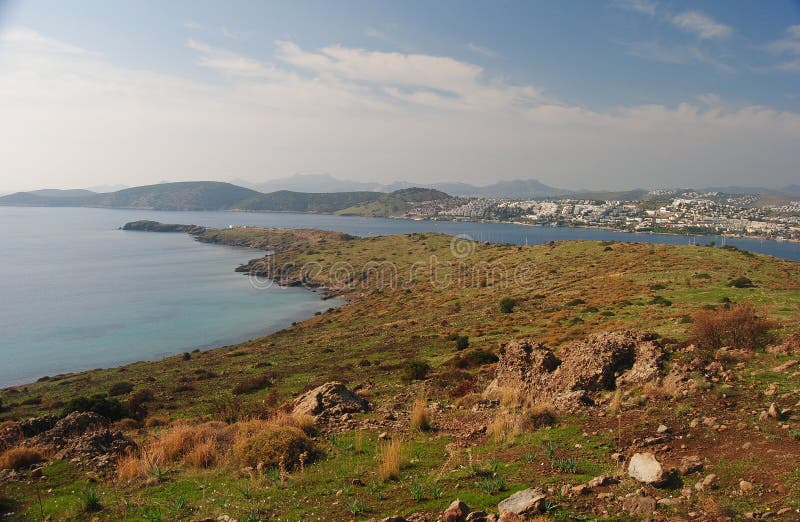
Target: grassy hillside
410 298
190 195
287 201
395 203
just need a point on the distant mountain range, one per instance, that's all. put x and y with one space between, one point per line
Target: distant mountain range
214 195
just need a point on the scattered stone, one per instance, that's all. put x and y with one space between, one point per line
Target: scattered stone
747 445
644 467
330 400
603 480
785 366
662 429
709 482
480 516
774 412
745 486
456 512
789 346
521 504
639 503
580 489
690 465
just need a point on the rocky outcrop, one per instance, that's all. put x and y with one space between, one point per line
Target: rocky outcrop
330 399
155 226
601 362
522 505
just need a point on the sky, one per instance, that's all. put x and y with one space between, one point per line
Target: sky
604 94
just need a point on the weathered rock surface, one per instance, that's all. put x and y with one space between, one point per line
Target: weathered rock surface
330 399
521 505
789 346
601 362
644 467
639 504
456 512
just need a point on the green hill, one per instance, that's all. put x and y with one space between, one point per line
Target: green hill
288 201
395 203
190 195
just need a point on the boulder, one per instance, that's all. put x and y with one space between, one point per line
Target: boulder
601 362
521 505
644 468
456 512
690 465
330 399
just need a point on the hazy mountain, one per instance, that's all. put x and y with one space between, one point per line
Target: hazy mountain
107 188
313 183
186 195
59 193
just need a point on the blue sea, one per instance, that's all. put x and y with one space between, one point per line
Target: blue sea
78 293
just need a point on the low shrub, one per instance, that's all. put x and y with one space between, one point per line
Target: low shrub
19 458
274 446
741 282
462 342
110 408
251 384
120 388
128 424
415 370
137 403
475 358
737 326
507 305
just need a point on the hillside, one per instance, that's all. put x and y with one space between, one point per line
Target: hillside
287 201
395 203
189 195
422 347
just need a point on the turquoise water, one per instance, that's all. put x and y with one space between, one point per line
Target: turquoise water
77 293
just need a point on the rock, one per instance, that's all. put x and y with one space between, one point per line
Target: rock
639 504
662 429
456 512
789 346
785 366
774 412
480 516
521 504
580 489
690 465
329 400
603 480
644 467
601 362
745 486
709 482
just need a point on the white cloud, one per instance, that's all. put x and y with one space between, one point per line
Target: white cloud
74 119
676 54
702 25
647 7
788 45
485 51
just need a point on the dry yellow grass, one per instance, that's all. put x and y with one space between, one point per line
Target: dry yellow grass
302 421
390 458
203 455
21 457
503 425
130 467
615 404
420 416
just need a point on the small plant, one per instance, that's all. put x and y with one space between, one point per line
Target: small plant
152 514
251 384
660 300
420 418
493 485
436 491
564 464
795 434
18 458
120 388
462 342
356 507
91 501
507 305
389 459
417 492
180 504
741 282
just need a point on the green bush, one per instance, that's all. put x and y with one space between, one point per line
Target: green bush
507 305
415 370
120 388
462 342
136 403
273 443
251 384
110 408
741 282
475 358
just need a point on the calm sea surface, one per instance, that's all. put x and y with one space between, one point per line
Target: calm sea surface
77 293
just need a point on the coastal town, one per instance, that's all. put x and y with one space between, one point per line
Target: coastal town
665 211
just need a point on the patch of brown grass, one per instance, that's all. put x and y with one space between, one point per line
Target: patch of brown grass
154 422
302 421
271 446
390 458
737 326
130 467
20 457
420 416
203 455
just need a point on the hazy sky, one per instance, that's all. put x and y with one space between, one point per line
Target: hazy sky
590 94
